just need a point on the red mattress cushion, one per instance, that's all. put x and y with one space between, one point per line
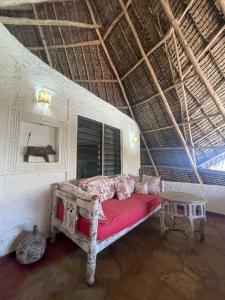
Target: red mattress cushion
120 214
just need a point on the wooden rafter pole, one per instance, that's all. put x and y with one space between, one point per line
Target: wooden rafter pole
42 37
97 80
222 5
162 95
209 133
184 98
192 57
173 86
161 42
115 21
120 84
205 49
45 22
181 124
72 45
207 161
8 3
182 148
185 78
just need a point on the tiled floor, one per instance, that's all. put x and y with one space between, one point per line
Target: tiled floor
139 266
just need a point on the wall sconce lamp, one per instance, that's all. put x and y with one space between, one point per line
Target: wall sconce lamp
134 139
44 98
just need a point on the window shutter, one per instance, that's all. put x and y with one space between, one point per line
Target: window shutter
112 151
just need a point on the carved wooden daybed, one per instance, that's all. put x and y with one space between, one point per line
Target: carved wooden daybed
92 233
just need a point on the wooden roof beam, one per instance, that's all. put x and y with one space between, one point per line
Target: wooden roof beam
45 22
191 57
42 37
120 84
209 133
72 45
162 95
222 147
207 161
173 86
8 3
184 98
196 120
115 21
161 42
222 5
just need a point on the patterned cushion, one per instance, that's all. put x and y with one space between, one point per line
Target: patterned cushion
125 178
136 178
141 188
122 190
98 185
78 192
153 183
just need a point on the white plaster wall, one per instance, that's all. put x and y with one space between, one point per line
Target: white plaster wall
25 188
213 194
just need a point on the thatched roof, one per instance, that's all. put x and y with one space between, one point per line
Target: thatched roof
115 62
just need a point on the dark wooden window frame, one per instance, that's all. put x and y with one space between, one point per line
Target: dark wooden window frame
105 160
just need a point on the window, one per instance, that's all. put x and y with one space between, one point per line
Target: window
98 149
112 162
89 148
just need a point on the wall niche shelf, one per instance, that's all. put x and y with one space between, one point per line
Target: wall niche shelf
38 135
43 133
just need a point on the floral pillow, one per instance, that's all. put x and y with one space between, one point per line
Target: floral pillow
78 192
100 186
141 188
153 183
122 190
125 178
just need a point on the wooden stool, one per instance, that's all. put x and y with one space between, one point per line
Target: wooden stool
183 205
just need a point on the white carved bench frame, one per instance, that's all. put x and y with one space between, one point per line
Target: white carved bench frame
89 244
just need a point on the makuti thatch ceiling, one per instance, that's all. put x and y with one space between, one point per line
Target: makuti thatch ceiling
162 62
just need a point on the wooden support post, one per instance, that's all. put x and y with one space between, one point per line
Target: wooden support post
156 82
45 47
192 57
120 84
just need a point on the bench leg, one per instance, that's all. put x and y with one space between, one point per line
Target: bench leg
202 230
162 219
53 232
191 233
91 267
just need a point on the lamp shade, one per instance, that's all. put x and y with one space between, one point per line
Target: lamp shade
44 97
134 139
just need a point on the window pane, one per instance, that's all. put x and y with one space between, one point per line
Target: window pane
89 148
112 156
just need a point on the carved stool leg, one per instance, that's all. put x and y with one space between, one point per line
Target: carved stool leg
91 267
191 232
53 232
202 229
162 218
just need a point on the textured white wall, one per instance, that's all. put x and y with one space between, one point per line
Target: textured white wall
213 194
25 188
